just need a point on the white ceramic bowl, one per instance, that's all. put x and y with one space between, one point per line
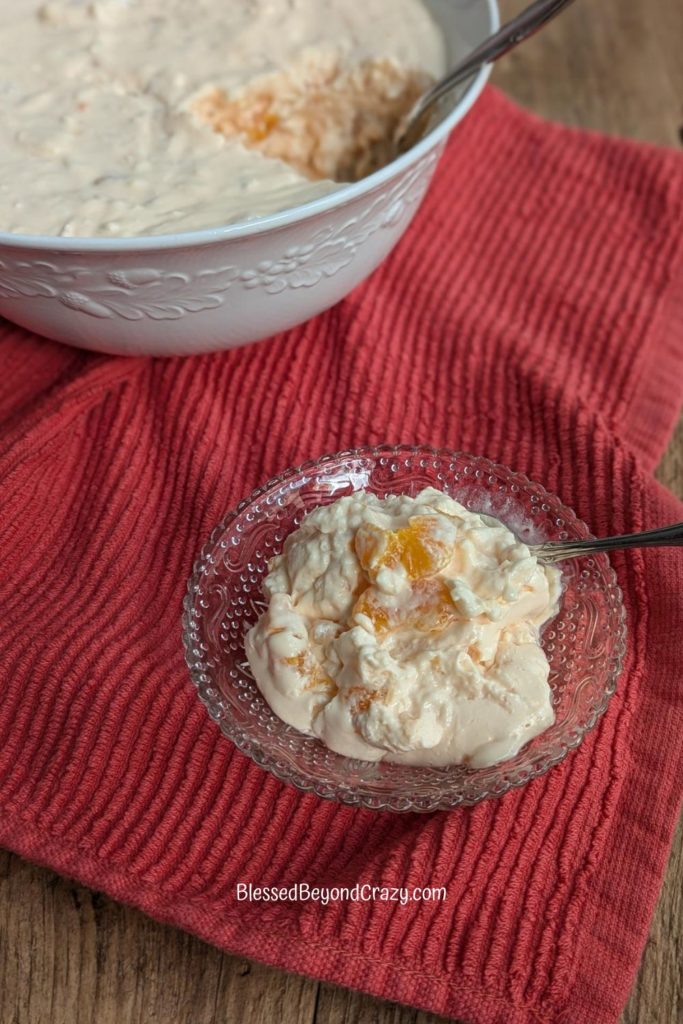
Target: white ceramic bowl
202 291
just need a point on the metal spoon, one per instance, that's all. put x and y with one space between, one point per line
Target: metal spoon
418 121
556 551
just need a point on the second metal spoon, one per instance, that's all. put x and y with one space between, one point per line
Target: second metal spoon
556 551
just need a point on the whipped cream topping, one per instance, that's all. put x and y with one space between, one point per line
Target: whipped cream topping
407 629
98 134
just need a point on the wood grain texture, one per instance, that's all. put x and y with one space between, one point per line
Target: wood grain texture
70 956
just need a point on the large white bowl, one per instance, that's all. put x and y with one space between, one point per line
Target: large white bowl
202 291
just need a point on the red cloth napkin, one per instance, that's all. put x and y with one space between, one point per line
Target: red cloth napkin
533 314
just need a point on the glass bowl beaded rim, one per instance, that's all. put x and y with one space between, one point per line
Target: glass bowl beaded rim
585 643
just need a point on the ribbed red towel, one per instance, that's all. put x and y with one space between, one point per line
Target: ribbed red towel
534 314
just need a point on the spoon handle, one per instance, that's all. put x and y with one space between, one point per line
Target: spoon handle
501 42
556 551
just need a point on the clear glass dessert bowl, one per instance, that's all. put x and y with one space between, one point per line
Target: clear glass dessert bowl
584 643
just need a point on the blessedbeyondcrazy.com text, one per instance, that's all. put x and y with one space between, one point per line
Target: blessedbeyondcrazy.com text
366 893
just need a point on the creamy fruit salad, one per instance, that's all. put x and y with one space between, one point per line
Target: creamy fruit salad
129 117
407 629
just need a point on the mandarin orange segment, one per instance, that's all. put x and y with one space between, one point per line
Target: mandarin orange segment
418 547
314 674
430 606
370 604
427 607
261 126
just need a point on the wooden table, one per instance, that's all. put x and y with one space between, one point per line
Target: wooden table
70 956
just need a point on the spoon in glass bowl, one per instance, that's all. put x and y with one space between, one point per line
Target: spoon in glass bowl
557 551
418 121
